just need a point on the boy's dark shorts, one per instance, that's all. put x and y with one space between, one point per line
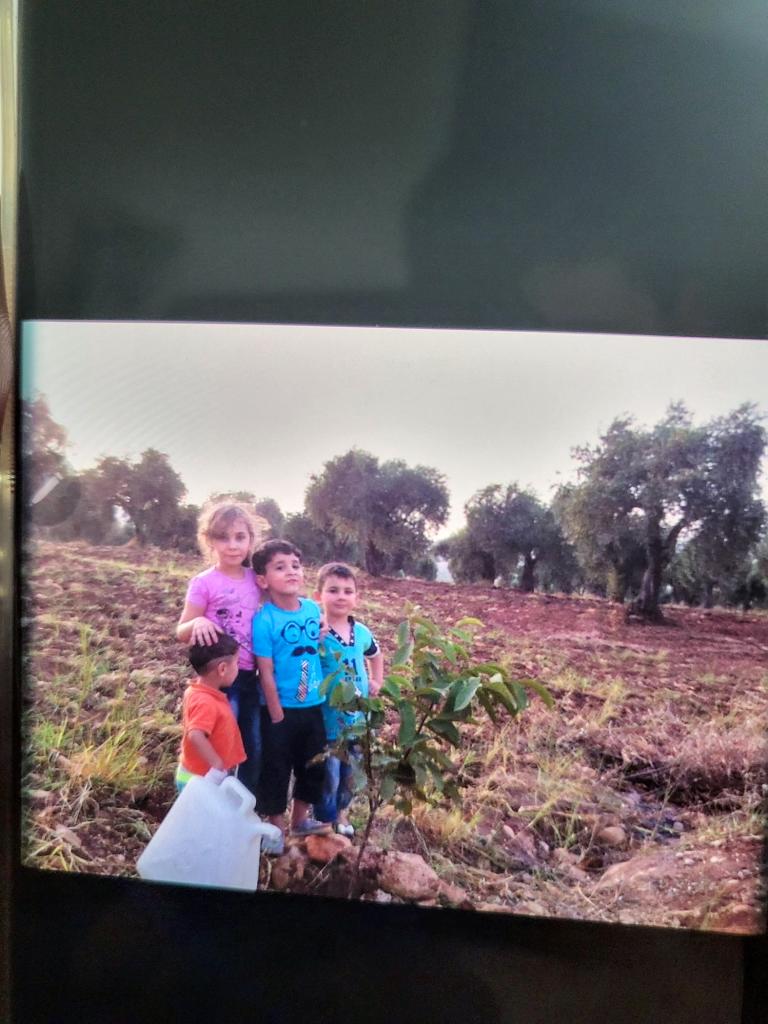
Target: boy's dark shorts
288 746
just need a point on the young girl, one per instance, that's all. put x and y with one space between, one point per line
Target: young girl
223 599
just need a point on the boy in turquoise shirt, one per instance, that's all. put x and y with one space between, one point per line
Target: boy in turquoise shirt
286 635
348 645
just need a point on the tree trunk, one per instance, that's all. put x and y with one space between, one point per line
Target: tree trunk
374 563
648 602
709 594
616 585
528 579
140 527
489 567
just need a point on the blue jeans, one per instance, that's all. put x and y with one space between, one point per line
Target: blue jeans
243 696
337 788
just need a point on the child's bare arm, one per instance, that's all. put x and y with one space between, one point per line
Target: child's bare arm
376 673
195 628
205 749
269 689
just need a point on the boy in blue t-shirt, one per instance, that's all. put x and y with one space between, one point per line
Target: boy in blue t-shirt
347 645
286 634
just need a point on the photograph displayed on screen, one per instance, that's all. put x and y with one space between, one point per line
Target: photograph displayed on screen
460 619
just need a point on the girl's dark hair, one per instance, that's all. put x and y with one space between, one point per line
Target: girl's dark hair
267 552
203 656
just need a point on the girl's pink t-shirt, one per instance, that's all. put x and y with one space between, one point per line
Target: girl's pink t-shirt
231 604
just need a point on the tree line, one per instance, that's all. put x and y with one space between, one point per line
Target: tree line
670 512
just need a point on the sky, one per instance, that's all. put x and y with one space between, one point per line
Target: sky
262 407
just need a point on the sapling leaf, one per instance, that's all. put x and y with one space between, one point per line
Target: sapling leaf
440 680
422 776
540 689
487 702
437 777
343 694
432 692
520 695
401 679
441 759
451 652
403 654
391 687
453 716
329 680
500 690
387 788
407 732
427 660
464 692
445 729
489 668
461 634
468 620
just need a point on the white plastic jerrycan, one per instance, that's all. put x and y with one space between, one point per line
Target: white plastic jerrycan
210 836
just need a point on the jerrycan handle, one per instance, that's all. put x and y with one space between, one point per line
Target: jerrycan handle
243 798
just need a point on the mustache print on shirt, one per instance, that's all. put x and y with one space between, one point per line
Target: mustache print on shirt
298 651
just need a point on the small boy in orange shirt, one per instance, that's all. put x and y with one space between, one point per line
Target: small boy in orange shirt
211 737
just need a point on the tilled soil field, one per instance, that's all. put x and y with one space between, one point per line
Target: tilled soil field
638 799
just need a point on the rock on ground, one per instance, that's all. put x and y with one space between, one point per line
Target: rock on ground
408 876
324 849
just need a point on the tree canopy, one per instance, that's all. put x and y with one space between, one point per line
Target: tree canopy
147 490
660 484
515 529
44 444
386 509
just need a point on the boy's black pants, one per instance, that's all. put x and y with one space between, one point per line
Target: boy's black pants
288 746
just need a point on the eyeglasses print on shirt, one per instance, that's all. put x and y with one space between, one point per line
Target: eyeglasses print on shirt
291 633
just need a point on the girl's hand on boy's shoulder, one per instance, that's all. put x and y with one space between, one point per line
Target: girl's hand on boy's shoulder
204 631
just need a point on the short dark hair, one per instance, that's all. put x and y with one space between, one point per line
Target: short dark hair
202 656
267 552
340 569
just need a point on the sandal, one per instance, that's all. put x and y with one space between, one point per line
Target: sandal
311 827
